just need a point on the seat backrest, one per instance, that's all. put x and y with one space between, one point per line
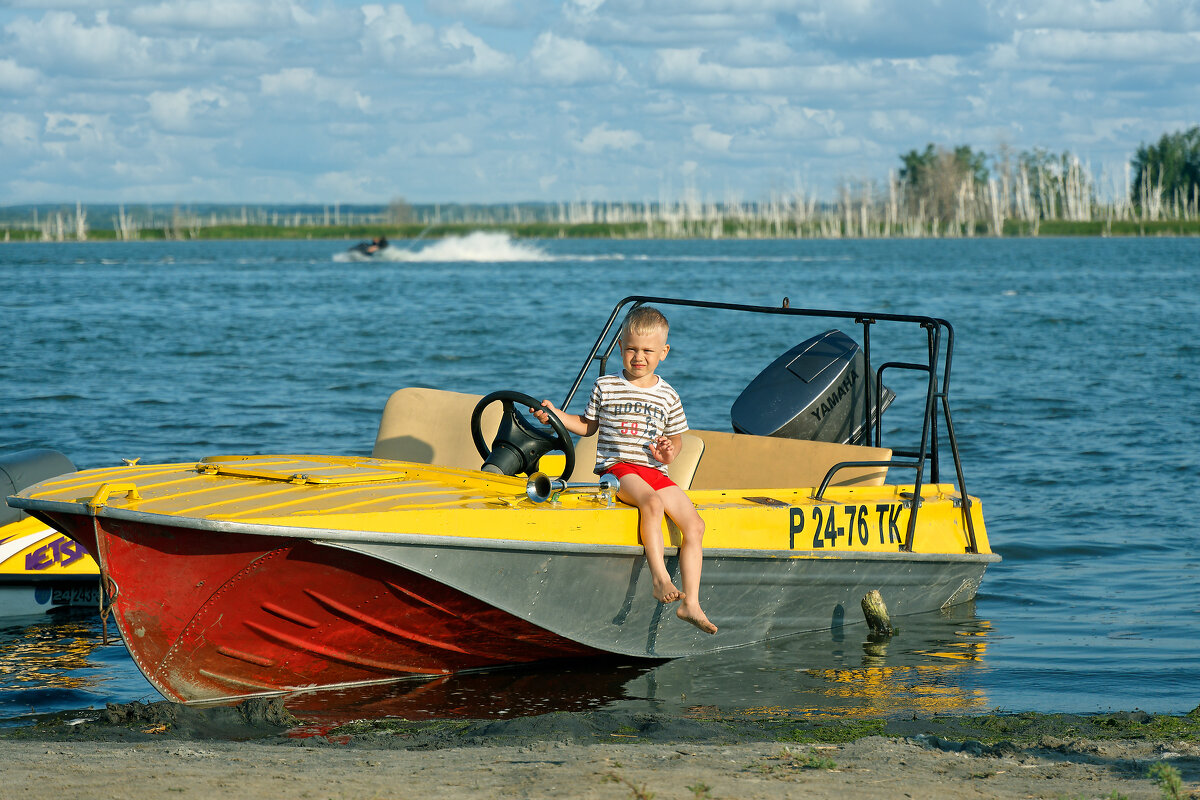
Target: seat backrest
742 461
432 426
682 470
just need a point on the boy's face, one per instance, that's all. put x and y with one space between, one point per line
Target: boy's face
641 352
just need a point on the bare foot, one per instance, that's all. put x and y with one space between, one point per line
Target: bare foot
694 615
665 591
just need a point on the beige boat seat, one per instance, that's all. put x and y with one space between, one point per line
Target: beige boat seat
741 461
682 470
433 426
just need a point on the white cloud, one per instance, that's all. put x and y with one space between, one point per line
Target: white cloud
897 120
688 67
177 110
1034 47
392 36
581 10
568 62
343 186
79 135
60 40
454 145
806 123
240 15
899 28
483 61
156 96
1038 87
752 111
685 66
16 79
305 84
390 33
491 12
841 146
601 138
750 51
18 133
1112 15
706 137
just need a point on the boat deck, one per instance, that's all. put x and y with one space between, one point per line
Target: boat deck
347 497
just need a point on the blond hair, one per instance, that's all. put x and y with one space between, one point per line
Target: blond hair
644 319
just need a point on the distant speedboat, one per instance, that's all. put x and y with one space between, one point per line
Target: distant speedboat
449 549
40 569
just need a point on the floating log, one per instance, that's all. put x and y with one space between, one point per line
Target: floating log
877 614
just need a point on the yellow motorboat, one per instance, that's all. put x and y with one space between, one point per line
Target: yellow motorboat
449 548
40 569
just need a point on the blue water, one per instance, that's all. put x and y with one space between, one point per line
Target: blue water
1074 391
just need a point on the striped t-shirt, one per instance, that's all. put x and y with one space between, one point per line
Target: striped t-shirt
630 418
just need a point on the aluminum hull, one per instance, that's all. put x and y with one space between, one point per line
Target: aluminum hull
598 596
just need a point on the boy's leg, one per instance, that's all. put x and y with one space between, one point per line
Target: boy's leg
637 492
679 508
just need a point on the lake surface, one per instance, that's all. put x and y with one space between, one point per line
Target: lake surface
1074 393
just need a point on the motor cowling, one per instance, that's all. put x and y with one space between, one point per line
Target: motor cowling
817 390
25 468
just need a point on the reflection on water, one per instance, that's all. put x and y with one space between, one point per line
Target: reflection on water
489 694
37 654
59 662
937 683
934 664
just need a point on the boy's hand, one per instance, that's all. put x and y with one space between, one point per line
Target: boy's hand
543 416
663 449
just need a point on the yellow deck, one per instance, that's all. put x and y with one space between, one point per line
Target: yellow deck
386 496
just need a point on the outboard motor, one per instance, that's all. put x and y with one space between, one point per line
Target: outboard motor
816 391
25 468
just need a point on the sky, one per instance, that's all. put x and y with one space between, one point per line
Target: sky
495 101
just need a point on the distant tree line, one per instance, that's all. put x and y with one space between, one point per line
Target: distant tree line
937 181
937 191
1168 169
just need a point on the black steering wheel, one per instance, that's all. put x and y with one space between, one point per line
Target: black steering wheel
518 444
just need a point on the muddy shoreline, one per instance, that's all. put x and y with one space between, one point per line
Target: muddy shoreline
148 750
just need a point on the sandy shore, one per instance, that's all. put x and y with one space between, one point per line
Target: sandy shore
164 750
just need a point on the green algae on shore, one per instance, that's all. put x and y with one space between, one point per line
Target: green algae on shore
267 719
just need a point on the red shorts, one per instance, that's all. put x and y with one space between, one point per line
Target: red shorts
656 479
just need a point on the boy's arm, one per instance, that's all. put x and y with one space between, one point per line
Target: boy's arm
575 423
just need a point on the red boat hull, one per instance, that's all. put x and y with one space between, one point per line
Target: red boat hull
208 616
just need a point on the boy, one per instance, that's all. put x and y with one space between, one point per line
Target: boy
640 423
